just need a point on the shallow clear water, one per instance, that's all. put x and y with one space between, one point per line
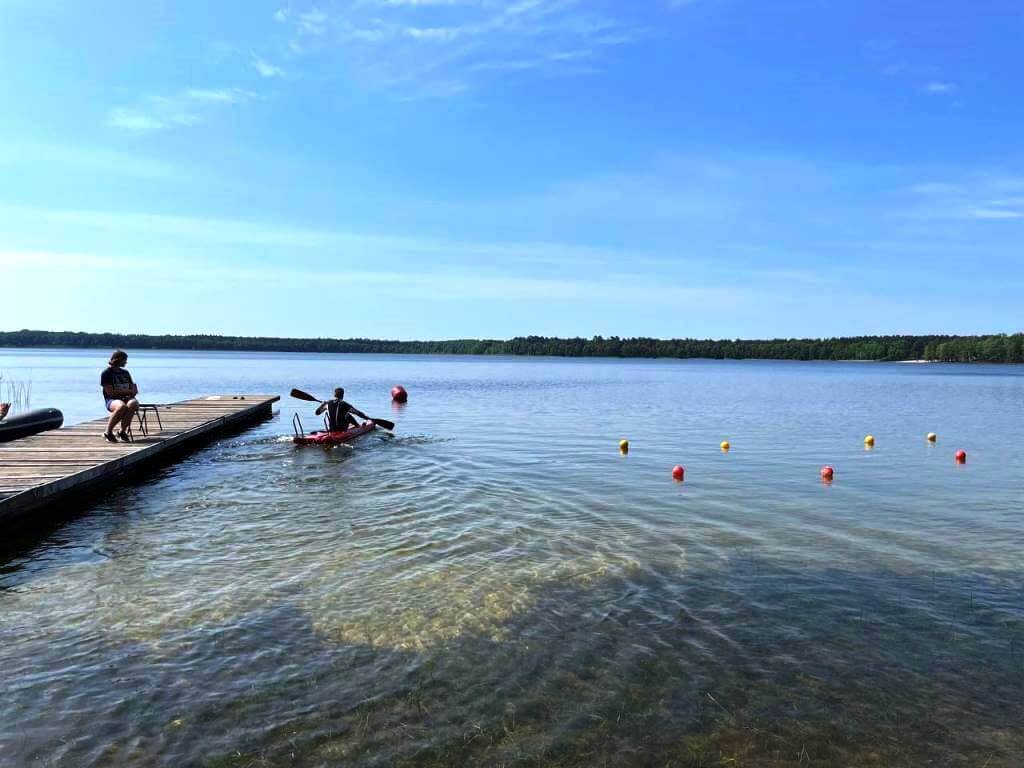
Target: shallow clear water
497 585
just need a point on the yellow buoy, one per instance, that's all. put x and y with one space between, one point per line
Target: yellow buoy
869 441
725 445
624 446
932 437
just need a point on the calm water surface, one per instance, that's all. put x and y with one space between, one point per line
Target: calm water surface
496 585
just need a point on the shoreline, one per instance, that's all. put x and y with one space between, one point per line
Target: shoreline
504 355
909 350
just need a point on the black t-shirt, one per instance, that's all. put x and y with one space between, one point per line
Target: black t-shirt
118 378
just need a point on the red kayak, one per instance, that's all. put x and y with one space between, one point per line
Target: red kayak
334 438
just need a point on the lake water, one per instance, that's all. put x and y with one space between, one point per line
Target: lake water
497 585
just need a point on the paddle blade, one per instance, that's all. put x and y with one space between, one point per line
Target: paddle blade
300 395
384 424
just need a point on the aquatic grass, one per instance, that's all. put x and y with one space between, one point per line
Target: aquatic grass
17 393
832 698
441 603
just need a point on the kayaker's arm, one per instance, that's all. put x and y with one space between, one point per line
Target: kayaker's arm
321 408
360 414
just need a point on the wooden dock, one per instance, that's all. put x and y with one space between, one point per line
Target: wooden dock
65 464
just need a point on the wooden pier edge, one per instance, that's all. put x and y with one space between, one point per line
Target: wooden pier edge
69 465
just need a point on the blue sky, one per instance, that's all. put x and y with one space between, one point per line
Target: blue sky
479 168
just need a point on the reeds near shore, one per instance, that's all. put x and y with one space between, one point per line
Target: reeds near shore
17 393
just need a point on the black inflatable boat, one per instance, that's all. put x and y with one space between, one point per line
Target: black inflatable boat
30 423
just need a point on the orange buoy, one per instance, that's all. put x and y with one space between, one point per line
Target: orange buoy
827 473
678 473
398 394
961 457
869 441
725 445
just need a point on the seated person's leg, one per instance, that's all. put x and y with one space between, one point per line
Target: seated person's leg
130 409
116 408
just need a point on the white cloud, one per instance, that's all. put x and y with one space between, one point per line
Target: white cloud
282 14
423 3
450 284
1004 214
133 120
184 109
939 87
419 48
440 34
518 65
218 95
266 69
312 22
980 196
160 114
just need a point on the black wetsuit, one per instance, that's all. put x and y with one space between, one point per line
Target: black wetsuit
339 416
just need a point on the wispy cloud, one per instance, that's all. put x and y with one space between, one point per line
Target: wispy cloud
903 63
579 58
453 284
424 3
186 108
997 214
266 69
217 95
445 47
459 269
141 121
181 230
980 197
312 22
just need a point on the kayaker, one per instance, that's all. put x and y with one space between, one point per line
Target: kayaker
119 394
339 413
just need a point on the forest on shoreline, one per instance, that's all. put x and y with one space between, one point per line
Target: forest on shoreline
998 348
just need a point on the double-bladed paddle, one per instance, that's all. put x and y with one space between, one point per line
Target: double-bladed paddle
298 394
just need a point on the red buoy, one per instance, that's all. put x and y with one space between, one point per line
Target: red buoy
827 473
398 394
961 457
678 473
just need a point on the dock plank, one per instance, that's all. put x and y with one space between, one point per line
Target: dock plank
41 470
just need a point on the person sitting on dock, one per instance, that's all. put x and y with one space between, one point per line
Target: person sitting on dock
119 393
339 413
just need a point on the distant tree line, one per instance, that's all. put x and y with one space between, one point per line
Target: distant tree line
1001 348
